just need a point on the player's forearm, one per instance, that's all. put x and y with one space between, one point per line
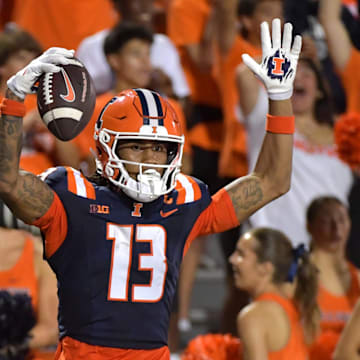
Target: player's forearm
274 162
24 193
10 147
336 33
270 179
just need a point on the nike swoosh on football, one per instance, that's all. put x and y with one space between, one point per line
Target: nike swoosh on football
168 213
70 96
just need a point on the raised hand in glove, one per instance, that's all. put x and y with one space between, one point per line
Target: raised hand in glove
22 82
278 65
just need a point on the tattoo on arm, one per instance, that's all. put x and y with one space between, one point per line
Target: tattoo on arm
24 193
246 196
10 147
35 194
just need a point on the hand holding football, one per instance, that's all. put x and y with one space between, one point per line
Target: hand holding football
66 100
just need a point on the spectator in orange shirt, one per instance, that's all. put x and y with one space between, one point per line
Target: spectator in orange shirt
63 23
163 53
273 326
23 271
328 223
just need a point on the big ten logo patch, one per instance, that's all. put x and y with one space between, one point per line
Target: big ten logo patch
99 209
278 66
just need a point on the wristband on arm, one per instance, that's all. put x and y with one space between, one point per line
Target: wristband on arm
12 108
280 124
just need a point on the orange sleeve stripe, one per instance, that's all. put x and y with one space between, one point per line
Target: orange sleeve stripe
78 184
181 193
188 189
90 191
54 226
71 180
196 188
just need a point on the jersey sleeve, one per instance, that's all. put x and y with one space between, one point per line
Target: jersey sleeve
53 224
219 216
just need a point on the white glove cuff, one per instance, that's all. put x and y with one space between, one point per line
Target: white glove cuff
281 96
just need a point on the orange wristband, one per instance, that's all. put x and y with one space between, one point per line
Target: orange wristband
280 124
12 107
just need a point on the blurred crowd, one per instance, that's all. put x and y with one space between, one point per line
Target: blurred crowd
190 52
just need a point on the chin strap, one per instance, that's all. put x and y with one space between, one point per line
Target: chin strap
147 188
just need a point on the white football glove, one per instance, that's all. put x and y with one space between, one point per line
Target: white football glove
22 82
278 65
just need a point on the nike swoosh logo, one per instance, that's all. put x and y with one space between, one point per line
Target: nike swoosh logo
168 213
70 96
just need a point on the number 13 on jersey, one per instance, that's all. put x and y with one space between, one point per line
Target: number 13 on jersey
121 259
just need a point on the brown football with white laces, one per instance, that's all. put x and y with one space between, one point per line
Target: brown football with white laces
66 100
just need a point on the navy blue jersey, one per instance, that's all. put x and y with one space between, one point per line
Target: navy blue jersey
118 264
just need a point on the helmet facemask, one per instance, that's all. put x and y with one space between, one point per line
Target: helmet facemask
149 184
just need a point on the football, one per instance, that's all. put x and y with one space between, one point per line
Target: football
66 100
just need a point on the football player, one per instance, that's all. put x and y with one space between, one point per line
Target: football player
116 240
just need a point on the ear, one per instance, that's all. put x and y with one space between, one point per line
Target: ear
266 269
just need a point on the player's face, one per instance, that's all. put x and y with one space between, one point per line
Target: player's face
133 66
245 264
306 90
150 152
16 62
330 228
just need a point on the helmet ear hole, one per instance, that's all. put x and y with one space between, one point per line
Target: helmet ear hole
172 151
